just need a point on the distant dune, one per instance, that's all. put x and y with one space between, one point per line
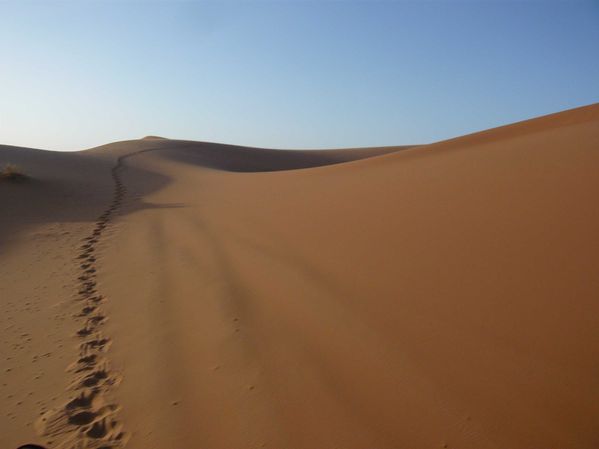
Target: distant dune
162 293
154 138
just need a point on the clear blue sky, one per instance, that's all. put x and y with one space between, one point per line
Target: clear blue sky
288 74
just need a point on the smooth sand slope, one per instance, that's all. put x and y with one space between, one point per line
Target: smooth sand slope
161 294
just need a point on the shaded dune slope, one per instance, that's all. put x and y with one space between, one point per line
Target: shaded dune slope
241 159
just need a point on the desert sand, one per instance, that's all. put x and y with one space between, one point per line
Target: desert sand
161 293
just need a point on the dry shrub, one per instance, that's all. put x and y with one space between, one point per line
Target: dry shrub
11 172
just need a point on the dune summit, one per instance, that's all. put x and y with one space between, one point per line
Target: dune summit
165 293
154 138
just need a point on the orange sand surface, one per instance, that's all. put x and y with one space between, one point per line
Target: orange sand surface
161 293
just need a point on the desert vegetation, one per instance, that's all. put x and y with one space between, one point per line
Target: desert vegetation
11 172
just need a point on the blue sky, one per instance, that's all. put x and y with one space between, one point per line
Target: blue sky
288 74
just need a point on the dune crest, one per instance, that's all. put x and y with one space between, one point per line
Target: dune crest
154 138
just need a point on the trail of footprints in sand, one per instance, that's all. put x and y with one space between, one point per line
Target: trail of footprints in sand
88 420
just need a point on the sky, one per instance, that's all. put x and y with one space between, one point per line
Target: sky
288 74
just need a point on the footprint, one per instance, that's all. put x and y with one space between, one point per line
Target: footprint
82 418
95 378
84 332
87 310
83 401
94 321
97 344
103 428
86 363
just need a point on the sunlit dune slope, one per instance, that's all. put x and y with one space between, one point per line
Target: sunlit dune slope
438 295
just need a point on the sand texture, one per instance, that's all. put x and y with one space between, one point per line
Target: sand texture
159 293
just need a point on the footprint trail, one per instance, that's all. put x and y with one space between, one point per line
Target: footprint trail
88 420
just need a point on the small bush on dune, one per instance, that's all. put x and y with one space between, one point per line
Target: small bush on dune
11 172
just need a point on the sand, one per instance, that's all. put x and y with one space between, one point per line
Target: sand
161 293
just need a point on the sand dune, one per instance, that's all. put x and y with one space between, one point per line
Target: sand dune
161 293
